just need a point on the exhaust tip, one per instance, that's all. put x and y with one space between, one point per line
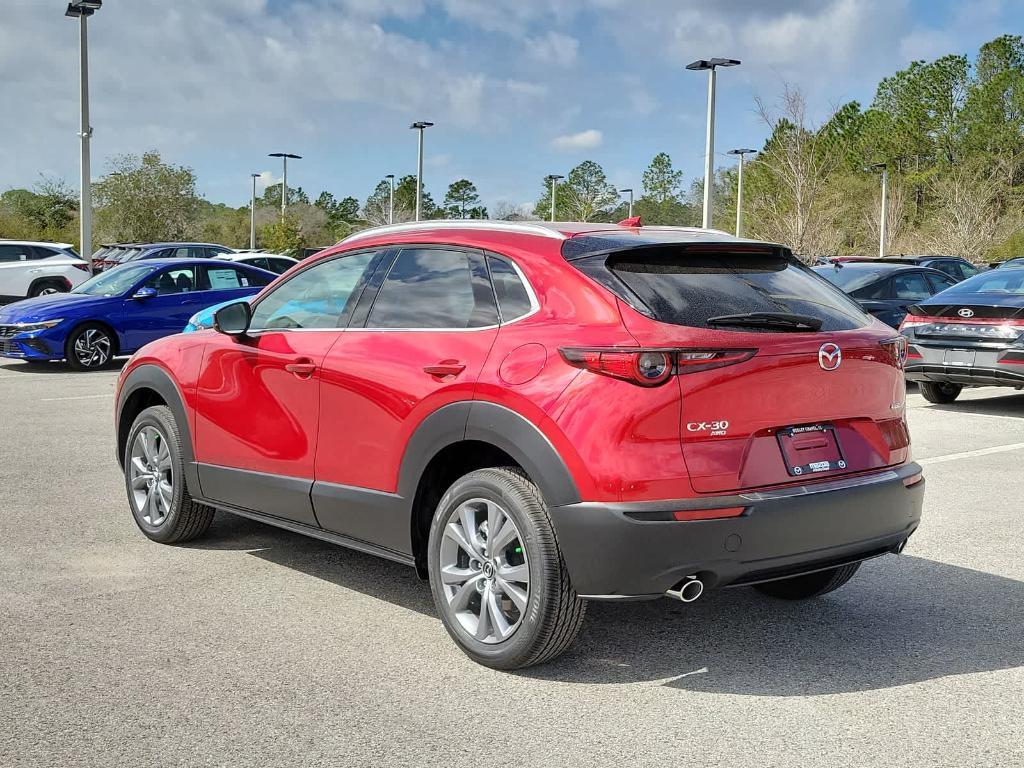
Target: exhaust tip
898 549
687 591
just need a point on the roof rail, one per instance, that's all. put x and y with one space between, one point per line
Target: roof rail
484 224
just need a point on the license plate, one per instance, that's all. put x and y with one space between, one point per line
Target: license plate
810 450
962 357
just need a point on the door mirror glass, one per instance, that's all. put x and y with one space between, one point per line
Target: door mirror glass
145 292
233 319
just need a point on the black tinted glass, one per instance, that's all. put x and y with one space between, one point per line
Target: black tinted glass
433 288
687 289
513 299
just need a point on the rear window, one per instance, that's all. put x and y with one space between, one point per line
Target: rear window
688 288
1009 281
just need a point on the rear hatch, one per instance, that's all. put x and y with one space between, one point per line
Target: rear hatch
819 390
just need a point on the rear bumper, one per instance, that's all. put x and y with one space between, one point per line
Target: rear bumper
1003 375
612 555
999 366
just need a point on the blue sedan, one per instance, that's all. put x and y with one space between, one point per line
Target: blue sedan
121 310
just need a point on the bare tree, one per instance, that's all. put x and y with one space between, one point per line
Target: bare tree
799 160
969 220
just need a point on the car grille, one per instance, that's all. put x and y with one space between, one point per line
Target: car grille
9 348
6 331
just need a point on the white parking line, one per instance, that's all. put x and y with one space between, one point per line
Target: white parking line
78 397
970 454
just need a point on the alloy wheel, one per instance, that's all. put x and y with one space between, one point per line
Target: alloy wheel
484 571
49 290
150 475
92 348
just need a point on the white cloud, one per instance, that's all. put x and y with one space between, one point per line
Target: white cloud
571 142
553 48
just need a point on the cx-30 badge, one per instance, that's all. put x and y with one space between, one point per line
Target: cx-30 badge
965 312
830 356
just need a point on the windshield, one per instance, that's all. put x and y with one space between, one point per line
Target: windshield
113 282
1003 282
848 278
127 254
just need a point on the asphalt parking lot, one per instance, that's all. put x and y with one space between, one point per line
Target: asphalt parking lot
255 646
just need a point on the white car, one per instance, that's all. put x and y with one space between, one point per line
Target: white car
29 268
272 262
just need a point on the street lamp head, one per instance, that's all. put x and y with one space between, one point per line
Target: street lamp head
421 125
712 63
390 176
78 8
876 167
741 151
255 175
553 177
285 154
627 189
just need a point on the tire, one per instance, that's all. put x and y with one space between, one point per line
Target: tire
809 585
546 615
941 393
172 517
90 347
44 287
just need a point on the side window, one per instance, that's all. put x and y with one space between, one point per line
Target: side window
434 288
174 253
911 286
172 281
319 297
278 266
876 290
260 263
941 282
969 270
13 252
513 298
43 253
228 277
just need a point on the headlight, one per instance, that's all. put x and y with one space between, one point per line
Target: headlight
40 326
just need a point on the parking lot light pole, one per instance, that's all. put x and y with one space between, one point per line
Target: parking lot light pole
624 191
420 127
285 157
883 222
252 213
554 178
711 65
739 188
391 200
82 10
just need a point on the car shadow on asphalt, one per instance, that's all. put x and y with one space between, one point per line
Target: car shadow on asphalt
21 366
901 620
1010 405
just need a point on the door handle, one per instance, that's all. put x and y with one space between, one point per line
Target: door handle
303 368
445 368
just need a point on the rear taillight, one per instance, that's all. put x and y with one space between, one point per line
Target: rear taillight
914 320
645 367
82 266
896 349
651 367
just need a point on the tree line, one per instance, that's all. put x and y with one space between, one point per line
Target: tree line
950 133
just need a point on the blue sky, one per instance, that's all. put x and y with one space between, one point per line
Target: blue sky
517 88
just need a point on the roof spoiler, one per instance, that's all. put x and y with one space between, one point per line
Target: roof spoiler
632 221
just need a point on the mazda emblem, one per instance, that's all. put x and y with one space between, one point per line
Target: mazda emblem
830 356
965 312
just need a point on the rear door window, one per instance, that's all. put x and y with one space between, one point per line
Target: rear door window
911 286
688 288
513 298
14 252
435 288
941 282
171 281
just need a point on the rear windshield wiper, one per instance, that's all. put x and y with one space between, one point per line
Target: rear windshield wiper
783 320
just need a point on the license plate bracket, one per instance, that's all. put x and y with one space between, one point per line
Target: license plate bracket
810 450
960 357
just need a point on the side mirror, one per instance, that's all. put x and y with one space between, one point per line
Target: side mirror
144 293
234 319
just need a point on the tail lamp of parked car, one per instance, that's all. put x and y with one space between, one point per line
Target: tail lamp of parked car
896 350
82 266
651 367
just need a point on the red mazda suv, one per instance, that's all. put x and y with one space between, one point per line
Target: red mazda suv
534 416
